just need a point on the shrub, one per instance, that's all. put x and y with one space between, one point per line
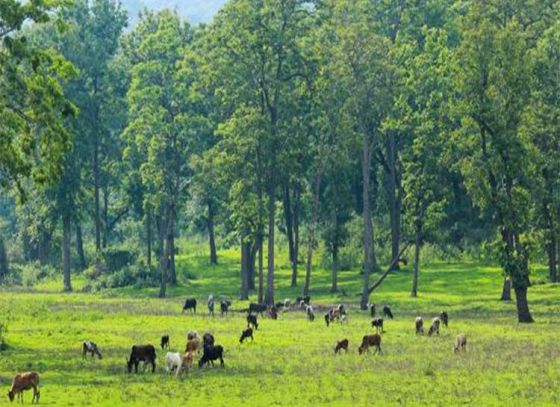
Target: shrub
116 259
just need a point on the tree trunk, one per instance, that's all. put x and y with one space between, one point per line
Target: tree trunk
105 230
416 272
80 246
162 254
395 201
368 225
211 236
311 237
552 261
149 237
97 215
252 255
271 217
244 271
260 294
66 253
171 246
523 313
3 261
289 225
506 290
296 237
43 247
334 268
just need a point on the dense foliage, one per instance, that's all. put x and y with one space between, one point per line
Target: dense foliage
360 128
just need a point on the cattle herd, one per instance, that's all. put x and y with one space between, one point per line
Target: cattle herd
178 363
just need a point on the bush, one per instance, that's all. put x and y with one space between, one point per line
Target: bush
138 275
116 259
3 331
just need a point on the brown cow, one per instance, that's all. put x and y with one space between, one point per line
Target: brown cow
22 382
343 344
368 341
460 342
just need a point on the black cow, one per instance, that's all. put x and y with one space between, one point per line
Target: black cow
257 308
387 312
210 354
211 305
190 303
141 353
208 339
165 342
90 347
252 320
444 318
247 333
306 300
372 310
224 306
273 312
378 323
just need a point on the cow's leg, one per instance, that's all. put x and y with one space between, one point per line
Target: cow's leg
153 366
221 361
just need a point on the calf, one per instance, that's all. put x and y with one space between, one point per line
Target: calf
257 308
212 353
192 345
343 344
252 320
208 339
434 328
460 343
372 310
22 382
141 353
247 333
188 360
191 335
444 318
310 314
190 303
419 323
173 362
387 312
378 324
211 305
90 347
224 307
369 341
165 342
273 312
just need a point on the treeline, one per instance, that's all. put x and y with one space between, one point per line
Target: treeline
421 122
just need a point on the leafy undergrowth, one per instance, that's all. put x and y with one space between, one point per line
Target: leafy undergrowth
291 361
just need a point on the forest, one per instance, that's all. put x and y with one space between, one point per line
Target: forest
349 134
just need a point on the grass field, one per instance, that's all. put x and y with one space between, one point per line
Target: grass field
291 362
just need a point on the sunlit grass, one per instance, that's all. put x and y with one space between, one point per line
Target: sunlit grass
291 361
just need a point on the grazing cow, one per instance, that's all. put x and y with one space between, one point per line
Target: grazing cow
141 353
378 324
208 339
211 305
22 382
165 342
90 347
192 345
190 303
188 360
252 320
387 313
279 305
309 312
334 313
224 307
460 343
372 310
343 344
444 318
173 362
287 303
419 323
306 300
212 353
257 308
191 335
273 312
369 341
434 328
247 333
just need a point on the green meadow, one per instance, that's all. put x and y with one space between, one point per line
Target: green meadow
291 362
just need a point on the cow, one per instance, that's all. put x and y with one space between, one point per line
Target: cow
190 304
252 320
368 341
90 347
247 333
22 382
378 324
212 353
343 344
211 305
444 318
165 342
224 307
257 308
419 323
387 313
141 353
